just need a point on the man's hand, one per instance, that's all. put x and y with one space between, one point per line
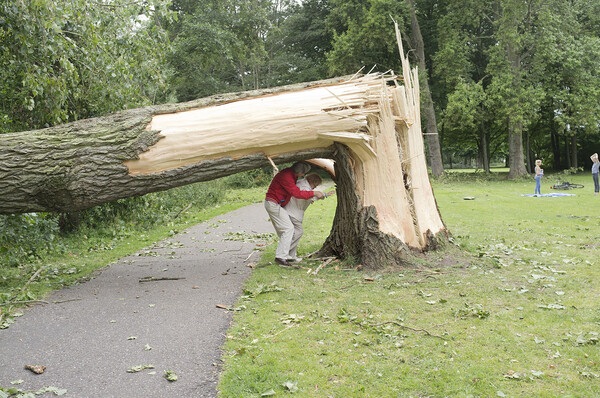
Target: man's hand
319 194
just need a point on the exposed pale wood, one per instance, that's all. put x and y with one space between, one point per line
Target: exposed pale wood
325 164
272 124
426 215
322 265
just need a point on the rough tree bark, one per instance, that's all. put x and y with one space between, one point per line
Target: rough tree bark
370 125
574 151
516 161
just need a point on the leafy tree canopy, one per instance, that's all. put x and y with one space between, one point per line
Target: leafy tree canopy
65 60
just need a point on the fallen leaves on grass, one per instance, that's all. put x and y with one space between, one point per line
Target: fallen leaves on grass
290 386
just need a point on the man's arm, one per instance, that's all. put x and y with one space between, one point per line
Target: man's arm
290 186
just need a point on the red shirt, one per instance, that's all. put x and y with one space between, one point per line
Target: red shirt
283 187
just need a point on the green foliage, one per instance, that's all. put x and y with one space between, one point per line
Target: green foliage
13 392
203 55
307 41
364 35
222 46
170 375
65 60
25 238
528 58
250 179
28 238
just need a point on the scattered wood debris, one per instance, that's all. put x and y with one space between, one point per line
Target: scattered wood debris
37 369
154 279
323 264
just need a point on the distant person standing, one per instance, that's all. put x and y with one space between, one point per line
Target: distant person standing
595 169
282 188
539 172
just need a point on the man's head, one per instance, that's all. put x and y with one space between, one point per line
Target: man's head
300 168
313 179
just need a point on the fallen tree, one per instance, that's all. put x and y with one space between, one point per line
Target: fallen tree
370 126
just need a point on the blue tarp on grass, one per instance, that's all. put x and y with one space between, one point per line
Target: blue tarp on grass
551 195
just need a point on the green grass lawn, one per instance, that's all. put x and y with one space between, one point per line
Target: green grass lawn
511 309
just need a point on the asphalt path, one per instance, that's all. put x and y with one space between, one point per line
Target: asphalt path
92 333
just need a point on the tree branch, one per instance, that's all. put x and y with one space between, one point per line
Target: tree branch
405 327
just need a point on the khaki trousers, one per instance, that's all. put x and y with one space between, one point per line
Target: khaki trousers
298 231
283 226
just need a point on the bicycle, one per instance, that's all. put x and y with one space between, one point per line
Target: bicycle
565 185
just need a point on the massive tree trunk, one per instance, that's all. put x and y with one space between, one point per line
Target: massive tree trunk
516 161
574 151
485 147
89 162
370 125
372 193
555 143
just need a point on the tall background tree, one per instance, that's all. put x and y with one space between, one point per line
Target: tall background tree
429 112
514 76
224 45
363 38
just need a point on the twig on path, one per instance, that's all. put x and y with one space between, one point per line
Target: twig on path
25 302
232 250
153 279
66 301
406 327
249 255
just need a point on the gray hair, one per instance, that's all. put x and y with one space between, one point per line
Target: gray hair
301 167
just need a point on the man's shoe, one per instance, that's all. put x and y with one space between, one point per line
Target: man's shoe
282 262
